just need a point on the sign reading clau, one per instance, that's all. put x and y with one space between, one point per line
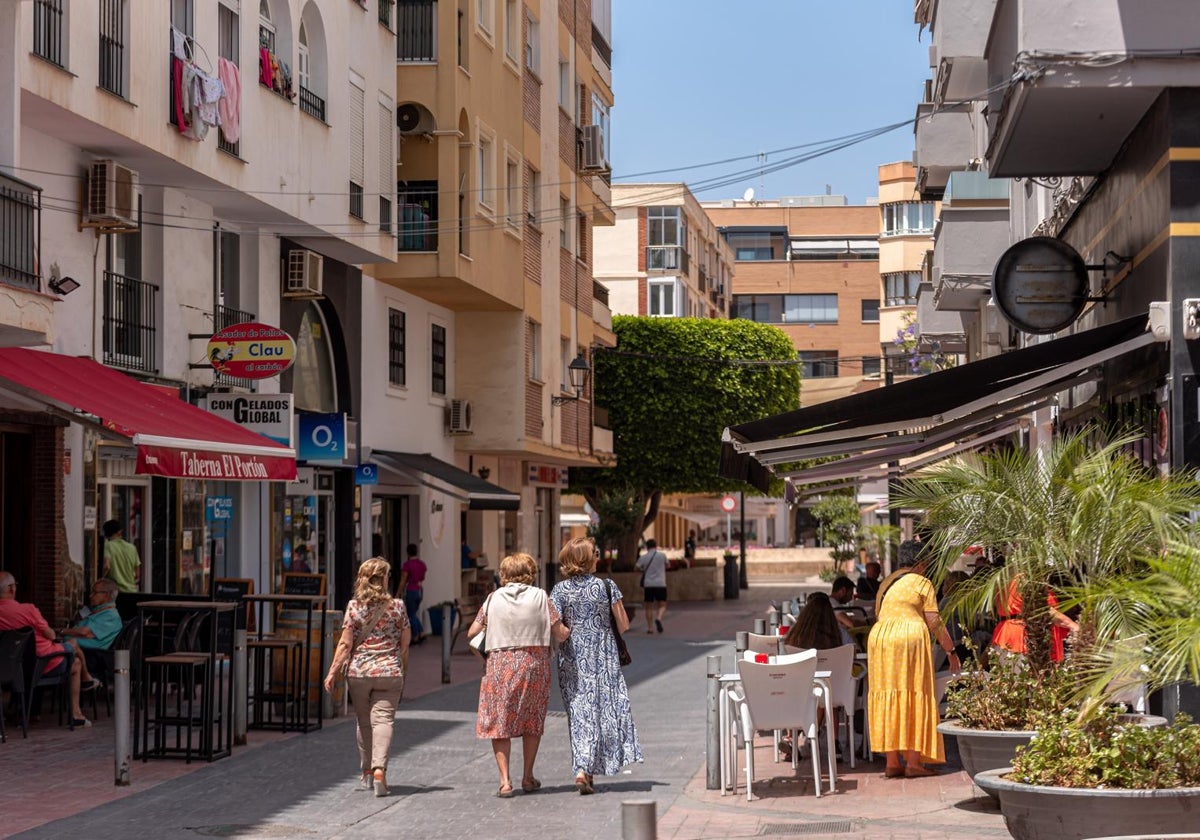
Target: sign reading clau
251 351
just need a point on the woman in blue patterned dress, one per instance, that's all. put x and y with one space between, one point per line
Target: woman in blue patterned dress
603 737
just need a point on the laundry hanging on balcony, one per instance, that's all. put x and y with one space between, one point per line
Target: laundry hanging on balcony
230 108
195 91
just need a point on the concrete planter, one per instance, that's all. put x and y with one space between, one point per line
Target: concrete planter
985 749
699 583
1035 812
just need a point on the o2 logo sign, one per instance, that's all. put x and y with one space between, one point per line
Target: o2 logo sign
322 437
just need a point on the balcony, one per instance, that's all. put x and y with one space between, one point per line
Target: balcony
227 316
417 219
940 331
973 233
667 258
48 30
945 142
130 323
416 30
312 104
1068 116
20 234
960 32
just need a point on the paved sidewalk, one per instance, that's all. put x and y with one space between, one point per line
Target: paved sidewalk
444 779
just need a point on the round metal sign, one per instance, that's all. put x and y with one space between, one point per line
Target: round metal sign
1040 285
728 504
251 351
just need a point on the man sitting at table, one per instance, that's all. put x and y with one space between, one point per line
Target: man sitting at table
97 630
16 616
868 585
842 594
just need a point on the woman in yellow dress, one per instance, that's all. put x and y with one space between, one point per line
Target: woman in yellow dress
902 703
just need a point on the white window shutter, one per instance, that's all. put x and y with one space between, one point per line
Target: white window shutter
387 157
357 134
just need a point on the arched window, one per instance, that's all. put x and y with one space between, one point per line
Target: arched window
311 70
313 379
302 59
266 27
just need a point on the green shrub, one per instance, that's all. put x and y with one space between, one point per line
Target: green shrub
1109 752
1009 696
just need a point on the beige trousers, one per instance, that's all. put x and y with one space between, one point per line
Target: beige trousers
375 700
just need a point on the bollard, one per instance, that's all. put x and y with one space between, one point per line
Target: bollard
239 686
122 756
447 639
787 608
712 780
740 643
638 821
760 626
773 621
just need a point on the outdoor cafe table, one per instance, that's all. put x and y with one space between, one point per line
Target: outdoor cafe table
728 756
304 722
211 747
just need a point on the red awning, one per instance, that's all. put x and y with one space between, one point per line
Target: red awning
173 438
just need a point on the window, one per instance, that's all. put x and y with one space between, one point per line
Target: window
266 28
228 48
871 365
810 309
833 249
600 117
564 222
762 309
666 233
907 217
112 45
21 234
870 311
358 132
512 29
512 194
535 352
47 31
757 246
581 241
397 375
418 215
437 359
485 168
387 161
565 358
533 52
900 288
566 87
484 18
661 294
416 30
302 60
385 13
819 364
534 199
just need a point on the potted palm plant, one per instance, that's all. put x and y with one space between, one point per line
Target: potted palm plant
1079 514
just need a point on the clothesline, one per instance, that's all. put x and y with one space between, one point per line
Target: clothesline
202 99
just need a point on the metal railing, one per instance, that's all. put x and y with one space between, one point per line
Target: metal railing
112 47
385 13
416 30
666 258
356 200
312 104
227 316
599 292
130 323
224 145
601 47
47 30
20 233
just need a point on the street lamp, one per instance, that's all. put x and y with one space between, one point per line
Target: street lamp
578 372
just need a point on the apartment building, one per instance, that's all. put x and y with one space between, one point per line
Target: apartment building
170 169
502 175
664 256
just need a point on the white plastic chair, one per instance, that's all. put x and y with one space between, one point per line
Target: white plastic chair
843 687
758 643
778 695
1128 689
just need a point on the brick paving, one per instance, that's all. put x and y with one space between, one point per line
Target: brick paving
59 784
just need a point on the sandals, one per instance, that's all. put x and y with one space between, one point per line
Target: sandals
893 773
530 785
583 784
919 772
505 792
379 781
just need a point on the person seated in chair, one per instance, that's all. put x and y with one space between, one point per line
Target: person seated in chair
97 630
868 585
842 593
16 616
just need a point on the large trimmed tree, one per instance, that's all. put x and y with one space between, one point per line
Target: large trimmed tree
671 386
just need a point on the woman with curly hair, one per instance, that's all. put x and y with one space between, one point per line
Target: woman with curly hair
515 691
599 717
373 653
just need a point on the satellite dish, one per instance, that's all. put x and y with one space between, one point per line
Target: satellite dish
748 195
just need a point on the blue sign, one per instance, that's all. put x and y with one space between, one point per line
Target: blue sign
322 437
366 474
218 508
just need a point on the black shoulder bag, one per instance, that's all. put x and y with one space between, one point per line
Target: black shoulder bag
622 651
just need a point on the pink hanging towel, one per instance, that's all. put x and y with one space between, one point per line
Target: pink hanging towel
177 87
264 66
229 108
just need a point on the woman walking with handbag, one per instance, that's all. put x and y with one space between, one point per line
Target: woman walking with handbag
514 694
599 716
372 655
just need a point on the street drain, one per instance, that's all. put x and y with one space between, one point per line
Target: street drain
830 827
250 831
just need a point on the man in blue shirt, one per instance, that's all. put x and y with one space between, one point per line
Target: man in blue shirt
97 630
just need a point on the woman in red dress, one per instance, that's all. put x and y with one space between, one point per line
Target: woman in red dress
1010 632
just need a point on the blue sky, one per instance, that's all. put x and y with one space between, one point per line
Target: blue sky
703 80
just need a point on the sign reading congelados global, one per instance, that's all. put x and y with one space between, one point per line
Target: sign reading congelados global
251 351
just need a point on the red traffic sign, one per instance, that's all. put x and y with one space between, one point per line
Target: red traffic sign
728 504
251 351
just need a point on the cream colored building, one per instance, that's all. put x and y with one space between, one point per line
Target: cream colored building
906 225
664 257
502 172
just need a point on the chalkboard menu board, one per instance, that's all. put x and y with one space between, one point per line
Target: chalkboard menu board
302 583
234 589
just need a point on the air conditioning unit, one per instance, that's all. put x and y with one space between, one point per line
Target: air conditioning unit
111 200
304 274
595 156
458 417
